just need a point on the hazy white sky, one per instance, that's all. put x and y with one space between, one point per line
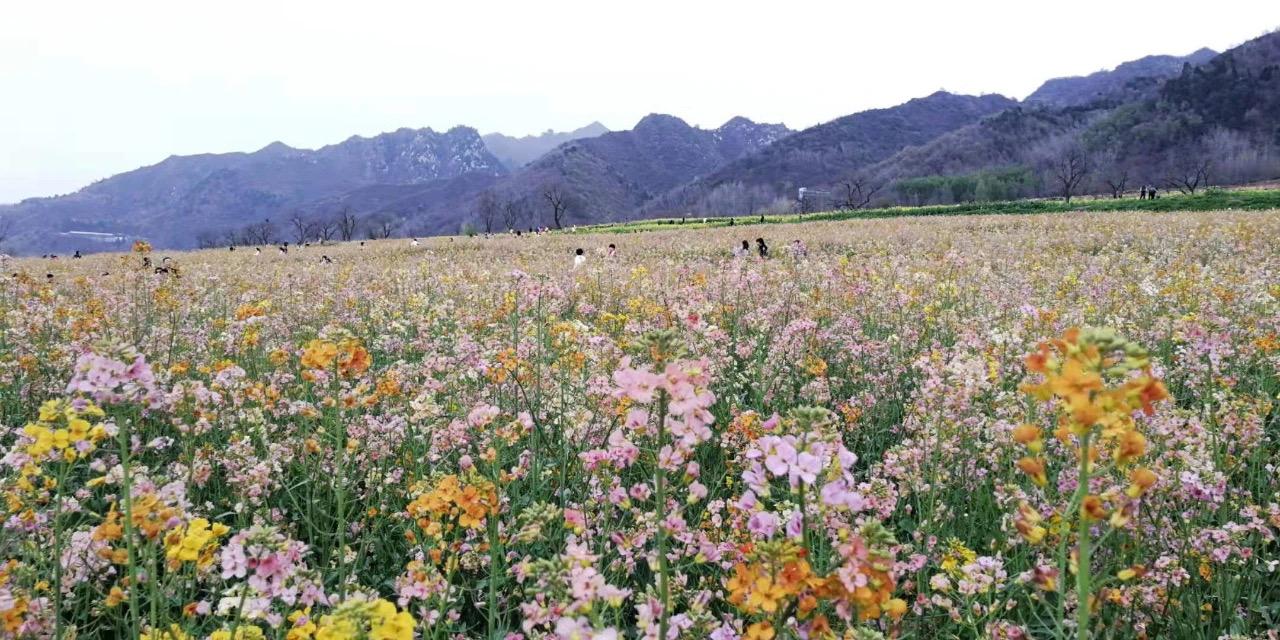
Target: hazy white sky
92 88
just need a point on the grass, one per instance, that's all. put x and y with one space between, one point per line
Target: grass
1209 200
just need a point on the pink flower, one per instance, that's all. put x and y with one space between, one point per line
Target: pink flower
763 524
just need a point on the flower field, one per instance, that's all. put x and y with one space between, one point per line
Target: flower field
964 427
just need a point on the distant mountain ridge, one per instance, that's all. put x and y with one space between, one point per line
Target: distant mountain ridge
517 152
1112 83
170 201
822 154
610 175
1149 121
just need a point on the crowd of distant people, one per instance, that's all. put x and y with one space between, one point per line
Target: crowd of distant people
797 249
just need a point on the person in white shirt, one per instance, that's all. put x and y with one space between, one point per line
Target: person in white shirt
742 251
579 258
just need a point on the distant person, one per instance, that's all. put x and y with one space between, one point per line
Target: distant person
742 251
731 222
798 250
326 259
284 248
613 250
231 248
1142 195
1151 194
762 248
257 251
77 255
579 258
414 243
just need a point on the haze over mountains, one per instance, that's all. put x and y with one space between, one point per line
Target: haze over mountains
517 152
1149 121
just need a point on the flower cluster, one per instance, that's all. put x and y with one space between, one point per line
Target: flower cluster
351 358
451 501
360 617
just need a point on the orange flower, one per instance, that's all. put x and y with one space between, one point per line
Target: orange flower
1028 524
1029 435
1092 508
1140 480
319 354
1132 446
1033 467
353 360
760 631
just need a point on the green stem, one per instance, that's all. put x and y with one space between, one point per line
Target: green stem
660 489
1082 545
57 558
494 564
126 482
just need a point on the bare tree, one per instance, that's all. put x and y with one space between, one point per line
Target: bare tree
858 192
488 209
260 233
324 229
1117 180
1069 170
206 239
1114 171
1189 174
347 223
513 211
558 200
302 228
380 226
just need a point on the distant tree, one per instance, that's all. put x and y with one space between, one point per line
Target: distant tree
488 209
347 223
1069 170
325 229
963 188
380 226
1117 181
1189 174
805 205
858 192
260 233
206 239
558 199
751 202
513 211
303 228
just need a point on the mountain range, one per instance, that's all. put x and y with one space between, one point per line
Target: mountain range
1156 120
517 152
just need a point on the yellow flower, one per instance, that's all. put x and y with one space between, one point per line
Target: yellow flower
319 354
174 632
242 632
195 544
896 608
360 618
760 631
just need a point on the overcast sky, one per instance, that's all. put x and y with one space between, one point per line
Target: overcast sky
92 88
